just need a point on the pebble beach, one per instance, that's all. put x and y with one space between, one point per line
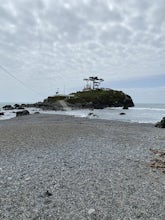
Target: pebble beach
56 167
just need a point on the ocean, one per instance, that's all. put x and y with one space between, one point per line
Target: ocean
141 113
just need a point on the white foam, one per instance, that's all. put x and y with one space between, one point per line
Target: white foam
140 115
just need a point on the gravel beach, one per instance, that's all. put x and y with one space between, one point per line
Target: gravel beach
61 167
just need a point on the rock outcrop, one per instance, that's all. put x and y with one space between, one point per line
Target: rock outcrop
122 113
161 124
17 106
22 113
99 99
8 107
55 106
92 99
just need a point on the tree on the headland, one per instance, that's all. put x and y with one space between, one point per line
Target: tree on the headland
95 81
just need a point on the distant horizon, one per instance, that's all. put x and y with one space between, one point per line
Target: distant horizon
22 102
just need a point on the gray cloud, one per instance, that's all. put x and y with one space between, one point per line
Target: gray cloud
51 43
116 33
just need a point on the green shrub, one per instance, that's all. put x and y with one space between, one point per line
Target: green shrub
55 98
104 97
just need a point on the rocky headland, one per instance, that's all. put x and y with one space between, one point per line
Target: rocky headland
94 99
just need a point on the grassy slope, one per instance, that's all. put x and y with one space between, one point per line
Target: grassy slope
93 98
101 97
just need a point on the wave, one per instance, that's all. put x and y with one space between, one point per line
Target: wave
148 109
135 114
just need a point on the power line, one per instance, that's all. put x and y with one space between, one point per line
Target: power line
21 82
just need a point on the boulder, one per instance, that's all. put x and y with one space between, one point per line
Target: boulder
122 113
20 107
8 107
1 113
23 105
17 106
22 113
161 124
91 114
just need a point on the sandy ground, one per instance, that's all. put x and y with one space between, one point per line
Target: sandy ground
61 167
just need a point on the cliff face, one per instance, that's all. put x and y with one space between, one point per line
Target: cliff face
100 99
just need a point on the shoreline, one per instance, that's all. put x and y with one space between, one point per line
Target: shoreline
141 114
65 167
77 116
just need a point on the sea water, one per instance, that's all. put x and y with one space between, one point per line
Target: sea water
8 114
141 113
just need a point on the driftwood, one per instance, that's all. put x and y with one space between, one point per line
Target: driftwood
159 161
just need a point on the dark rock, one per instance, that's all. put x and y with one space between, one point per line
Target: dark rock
22 113
47 193
122 113
125 107
17 106
23 105
161 124
128 102
91 114
20 107
1 113
46 106
8 107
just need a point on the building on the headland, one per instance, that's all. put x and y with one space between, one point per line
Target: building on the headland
87 86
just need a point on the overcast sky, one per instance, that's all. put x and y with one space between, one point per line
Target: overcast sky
46 45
